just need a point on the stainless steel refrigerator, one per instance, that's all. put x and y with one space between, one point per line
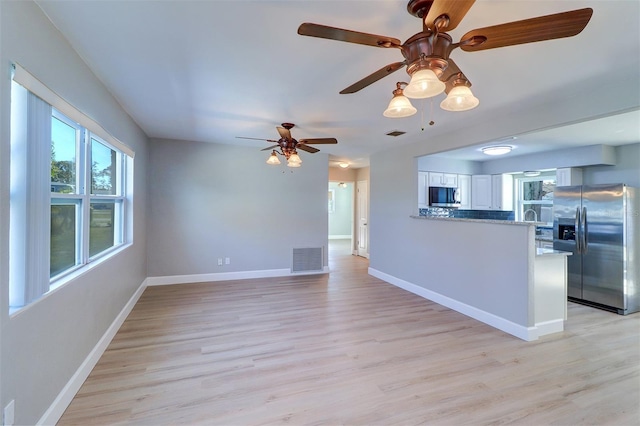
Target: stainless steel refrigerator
600 225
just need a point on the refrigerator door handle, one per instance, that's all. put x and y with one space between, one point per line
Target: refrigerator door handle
577 231
585 243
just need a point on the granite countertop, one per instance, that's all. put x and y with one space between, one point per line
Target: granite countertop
551 252
496 221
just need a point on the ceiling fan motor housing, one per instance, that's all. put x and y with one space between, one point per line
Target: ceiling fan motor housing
427 50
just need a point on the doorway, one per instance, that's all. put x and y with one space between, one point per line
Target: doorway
341 216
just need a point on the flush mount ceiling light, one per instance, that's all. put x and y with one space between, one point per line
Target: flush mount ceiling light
497 150
343 165
427 53
532 173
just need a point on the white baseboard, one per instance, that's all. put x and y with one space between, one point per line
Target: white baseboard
340 237
64 398
520 331
225 276
549 327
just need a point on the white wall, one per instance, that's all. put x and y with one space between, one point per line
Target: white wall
204 206
43 346
626 170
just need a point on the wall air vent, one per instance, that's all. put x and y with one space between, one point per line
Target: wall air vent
395 133
307 260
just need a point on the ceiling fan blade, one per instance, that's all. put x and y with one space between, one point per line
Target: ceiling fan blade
331 33
257 139
310 149
453 10
549 27
284 133
372 78
318 140
270 148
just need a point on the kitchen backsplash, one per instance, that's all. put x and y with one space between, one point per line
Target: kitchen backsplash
468 214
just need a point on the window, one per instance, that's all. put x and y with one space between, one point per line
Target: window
535 198
68 196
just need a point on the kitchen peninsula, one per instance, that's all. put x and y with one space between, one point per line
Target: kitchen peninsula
490 270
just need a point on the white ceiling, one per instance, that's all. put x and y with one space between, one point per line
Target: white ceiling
213 70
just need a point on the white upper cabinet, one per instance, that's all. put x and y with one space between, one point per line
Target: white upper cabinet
423 186
464 191
502 192
568 176
481 192
492 192
447 180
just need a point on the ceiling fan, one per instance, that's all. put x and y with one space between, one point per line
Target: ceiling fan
426 54
287 146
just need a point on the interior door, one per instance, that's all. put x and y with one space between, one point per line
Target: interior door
362 246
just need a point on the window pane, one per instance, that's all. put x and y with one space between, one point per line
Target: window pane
103 169
63 238
101 231
63 157
538 190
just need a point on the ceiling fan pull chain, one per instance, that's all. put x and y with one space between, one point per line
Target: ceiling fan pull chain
431 122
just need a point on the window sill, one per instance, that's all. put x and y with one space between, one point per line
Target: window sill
67 278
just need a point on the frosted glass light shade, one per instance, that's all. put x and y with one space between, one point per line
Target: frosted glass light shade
459 98
424 84
399 107
273 159
295 158
496 150
293 164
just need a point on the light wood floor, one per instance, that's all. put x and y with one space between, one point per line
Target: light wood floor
349 349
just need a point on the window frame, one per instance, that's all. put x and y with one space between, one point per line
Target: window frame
521 202
84 197
32 194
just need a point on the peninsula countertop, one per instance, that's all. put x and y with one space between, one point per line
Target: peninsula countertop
539 251
496 221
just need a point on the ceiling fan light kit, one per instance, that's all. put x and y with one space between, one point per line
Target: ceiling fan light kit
273 159
400 106
459 98
424 84
426 54
288 147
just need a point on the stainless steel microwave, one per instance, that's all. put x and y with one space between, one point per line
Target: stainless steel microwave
443 197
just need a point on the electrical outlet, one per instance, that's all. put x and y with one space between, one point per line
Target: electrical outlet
9 413
227 260
219 261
